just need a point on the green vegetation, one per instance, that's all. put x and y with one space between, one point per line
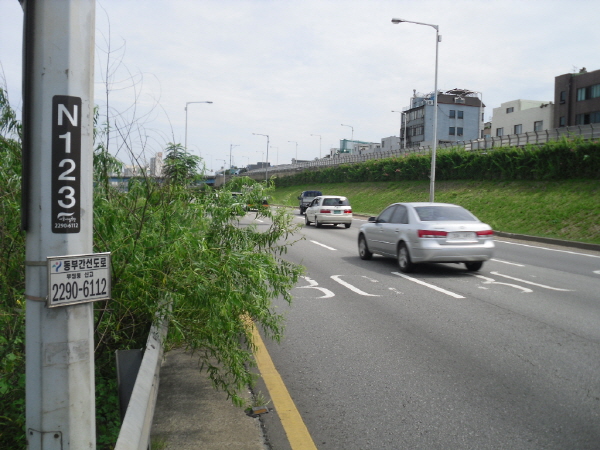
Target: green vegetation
557 160
568 209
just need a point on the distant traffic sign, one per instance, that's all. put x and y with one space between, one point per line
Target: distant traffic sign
78 279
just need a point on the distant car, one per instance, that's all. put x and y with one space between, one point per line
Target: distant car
329 209
306 197
427 232
263 204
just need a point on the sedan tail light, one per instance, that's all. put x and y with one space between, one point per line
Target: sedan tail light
325 211
432 233
347 211
485 233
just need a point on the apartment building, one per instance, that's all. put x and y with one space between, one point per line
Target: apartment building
460 118
522 116
577 98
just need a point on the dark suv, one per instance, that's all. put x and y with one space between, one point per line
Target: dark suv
306 198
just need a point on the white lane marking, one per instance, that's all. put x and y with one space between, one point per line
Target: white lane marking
437 288
323 245
312 284
352 288
396 291
597 272
549 249
492 281
529 282
506 262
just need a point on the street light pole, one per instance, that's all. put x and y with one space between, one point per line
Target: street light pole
438 38
352 138
186 120
296 150
230 148
267 161
319 143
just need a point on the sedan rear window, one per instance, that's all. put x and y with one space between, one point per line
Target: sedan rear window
441 213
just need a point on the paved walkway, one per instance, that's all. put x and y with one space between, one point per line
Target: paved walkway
191 414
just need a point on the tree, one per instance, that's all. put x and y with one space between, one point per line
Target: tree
180 167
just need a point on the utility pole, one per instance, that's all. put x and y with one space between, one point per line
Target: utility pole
57 216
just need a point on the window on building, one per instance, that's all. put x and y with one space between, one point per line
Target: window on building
518 129
509 110
563 96
499 131
452 131
452 113
460 114
538 125
586 119
459 131
562 121
589 92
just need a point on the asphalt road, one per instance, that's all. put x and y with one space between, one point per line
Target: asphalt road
505 358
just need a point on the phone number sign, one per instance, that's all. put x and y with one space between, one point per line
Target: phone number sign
78 279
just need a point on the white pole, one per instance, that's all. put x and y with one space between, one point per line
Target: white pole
59 111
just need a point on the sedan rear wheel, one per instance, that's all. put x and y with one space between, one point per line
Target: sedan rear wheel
363 249
474 266
404 261
306 221
347 225
317 223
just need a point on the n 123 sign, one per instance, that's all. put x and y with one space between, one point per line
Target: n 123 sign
66 164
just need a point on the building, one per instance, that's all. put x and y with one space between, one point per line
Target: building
459 118
577 98
522 116
156 165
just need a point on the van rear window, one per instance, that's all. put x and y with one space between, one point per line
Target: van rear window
311 193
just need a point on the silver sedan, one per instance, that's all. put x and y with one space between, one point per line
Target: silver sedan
427 232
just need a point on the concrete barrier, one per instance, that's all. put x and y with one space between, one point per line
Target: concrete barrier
137 424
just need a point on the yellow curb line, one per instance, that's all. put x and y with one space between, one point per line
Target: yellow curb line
295 429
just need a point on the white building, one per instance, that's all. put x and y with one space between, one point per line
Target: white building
522 116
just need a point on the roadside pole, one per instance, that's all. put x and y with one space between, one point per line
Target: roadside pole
57 217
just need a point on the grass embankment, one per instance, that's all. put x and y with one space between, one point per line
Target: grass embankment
556 209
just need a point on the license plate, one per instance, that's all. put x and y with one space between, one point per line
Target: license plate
461 236
337 211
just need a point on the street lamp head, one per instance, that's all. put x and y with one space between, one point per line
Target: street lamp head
398 21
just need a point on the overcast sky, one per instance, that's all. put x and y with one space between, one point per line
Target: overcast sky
295 68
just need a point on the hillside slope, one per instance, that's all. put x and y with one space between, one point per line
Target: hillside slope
567 209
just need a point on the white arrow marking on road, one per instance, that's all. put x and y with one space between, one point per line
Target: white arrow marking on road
352 288
492 281
323 245
372 280
437 288
597 272
529 282
314 285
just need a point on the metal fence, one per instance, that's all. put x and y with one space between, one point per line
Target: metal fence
586 132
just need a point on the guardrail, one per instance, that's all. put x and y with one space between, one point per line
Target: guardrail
586 132
137 423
